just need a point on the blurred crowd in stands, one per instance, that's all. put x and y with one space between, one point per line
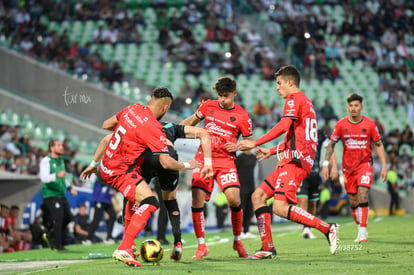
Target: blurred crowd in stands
379 33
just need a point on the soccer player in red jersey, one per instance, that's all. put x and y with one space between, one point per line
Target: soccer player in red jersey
357 132
225 121
136 128
296 157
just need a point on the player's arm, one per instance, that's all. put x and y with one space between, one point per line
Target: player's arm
381 154
110 123
334 166
205 142
96 159
203 135
330 149
167 162
191 121
280 128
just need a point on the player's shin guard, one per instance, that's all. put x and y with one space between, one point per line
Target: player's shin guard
264 224
299 215
237 221
198 223
174 215
356 214
364 214
138 221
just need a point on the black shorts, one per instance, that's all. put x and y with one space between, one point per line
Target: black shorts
310 187
152 168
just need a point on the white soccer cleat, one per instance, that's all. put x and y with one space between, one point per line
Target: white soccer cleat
362 235
263 254
126 257
332 237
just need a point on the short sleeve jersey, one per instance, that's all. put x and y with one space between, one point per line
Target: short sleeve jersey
224 125
356 138
137 129
302 137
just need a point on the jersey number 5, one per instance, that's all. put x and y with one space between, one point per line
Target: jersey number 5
311 130
114 145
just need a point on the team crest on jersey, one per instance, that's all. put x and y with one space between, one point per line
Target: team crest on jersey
232 119
212 112
364 130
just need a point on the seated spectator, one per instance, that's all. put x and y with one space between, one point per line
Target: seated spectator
335 74
82 225
22 238
194 66
327 112
262 115
117 75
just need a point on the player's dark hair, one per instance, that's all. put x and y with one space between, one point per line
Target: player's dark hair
14 207
353 97
225 84
51 144
290 72
161 93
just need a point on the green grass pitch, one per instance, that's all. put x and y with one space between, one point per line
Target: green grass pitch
389 251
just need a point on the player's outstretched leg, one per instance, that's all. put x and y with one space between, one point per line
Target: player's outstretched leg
299 215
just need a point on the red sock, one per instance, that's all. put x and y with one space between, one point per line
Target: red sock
364 216
129 212
138 222
198 221
355 214
237 220
263 216
299 215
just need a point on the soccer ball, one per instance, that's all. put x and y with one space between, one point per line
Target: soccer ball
152 251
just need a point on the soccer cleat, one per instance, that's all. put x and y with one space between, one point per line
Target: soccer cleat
263 254
239 247
307 234
126 257
332 237
202 251
177 252
362 235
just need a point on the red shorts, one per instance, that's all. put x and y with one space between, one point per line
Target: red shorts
125 183
283 183
225 174
361 176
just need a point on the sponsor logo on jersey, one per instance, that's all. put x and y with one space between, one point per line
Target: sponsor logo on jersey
199 115
291 103
129 121
108 153
309 160
163 139
356 144
215 129
125 193
283 174
106 170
